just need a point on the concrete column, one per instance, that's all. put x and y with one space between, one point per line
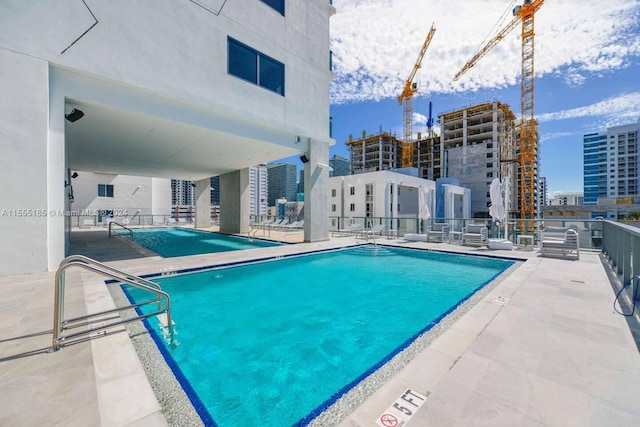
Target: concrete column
32 169
203 203
234 202
316 192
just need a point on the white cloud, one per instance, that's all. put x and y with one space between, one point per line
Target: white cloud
419 119
617 110
376 43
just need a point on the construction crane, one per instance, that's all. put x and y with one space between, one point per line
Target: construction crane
406 100
528 153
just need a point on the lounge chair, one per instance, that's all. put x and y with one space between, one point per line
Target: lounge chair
439 232
376 230
87 223
295 225
475 234
559 241
350 230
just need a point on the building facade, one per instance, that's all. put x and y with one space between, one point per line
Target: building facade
258 190
389 196
282 182
477 145
567 199
340 166
184 90
120 196
611 160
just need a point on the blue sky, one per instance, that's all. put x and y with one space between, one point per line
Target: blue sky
587 62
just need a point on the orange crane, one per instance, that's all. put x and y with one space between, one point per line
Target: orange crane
406 100
528 151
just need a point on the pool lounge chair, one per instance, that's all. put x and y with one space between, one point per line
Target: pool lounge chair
350 230
374 231
559 241
438 232
295 225
475 234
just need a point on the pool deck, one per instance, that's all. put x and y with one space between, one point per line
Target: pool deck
550 351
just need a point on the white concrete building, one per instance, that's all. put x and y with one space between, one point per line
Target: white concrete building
567 199
393 196
124 196
168 89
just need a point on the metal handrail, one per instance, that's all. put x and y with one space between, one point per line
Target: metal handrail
121 277
120 225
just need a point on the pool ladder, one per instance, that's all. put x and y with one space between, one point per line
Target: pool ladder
98 324
112 223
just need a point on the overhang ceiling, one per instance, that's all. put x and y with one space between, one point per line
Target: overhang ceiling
109 140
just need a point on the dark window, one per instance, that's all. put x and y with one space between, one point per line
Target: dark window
105 190
276 4
271 74
243 62
255 67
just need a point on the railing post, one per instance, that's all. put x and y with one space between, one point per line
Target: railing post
58 311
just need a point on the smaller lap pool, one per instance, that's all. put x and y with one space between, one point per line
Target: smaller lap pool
174 242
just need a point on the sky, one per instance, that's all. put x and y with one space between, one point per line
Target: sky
587 69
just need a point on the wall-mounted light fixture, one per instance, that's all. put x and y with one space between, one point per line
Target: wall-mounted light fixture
74 175
304 158
74 115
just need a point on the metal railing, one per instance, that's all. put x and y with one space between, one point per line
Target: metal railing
590 232
97 324
112 223
619 244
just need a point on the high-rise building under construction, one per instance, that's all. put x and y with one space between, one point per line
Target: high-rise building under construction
477 145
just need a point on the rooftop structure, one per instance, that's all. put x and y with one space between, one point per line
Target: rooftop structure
374 153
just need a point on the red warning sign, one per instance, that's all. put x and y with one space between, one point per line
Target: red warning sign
388 420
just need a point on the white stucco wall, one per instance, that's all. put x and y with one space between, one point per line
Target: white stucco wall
179 50
149 196
382 182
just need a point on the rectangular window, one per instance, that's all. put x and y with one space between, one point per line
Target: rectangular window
333 208
105 190
352 208
276 4
255 67
333 193
352 191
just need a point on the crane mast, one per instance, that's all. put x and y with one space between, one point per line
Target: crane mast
406 100
528 150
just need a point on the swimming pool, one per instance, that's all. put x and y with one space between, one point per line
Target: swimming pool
275 343
173 242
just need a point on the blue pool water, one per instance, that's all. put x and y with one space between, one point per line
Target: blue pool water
173 242
274 343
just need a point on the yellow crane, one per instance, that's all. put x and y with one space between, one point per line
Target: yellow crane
528 153
406 100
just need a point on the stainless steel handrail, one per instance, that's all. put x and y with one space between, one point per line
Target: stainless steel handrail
120 225
121 277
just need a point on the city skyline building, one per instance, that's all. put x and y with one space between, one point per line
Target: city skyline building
282 182
611 164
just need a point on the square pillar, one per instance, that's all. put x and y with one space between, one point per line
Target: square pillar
203 203
234 202
316 192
